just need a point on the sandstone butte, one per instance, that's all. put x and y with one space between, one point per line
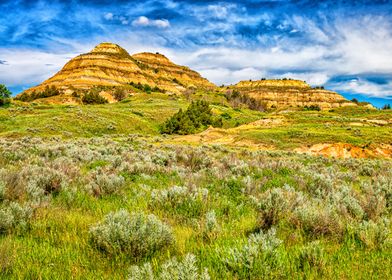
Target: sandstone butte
291 93
110 65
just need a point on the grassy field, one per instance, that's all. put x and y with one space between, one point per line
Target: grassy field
95 192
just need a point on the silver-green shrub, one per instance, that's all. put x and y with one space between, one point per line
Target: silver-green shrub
14 215
318 219
183 200
278 203
138 234
259 246
104 184
171 270
372 234
312 256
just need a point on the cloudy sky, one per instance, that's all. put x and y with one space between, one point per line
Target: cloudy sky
343 45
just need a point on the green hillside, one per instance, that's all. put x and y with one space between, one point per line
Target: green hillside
96 192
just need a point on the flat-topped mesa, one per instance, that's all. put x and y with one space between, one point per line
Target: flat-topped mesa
152 58
274 83
290 93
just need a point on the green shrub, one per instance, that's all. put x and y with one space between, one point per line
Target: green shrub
197 117
93 97
237 99
120 94
5 95
48 92
138 235
276 204
312 107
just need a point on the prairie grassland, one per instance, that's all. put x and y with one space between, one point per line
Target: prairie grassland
94 192
134 207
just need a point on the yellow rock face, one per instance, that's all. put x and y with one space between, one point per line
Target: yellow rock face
110 65
291 93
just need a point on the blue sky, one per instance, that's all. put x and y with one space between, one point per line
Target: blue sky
343 45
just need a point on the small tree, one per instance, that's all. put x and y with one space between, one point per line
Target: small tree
197 116
386 107
120 94
93 97
5 95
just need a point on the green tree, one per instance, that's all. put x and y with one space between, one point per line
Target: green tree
197 117
93 97
5 95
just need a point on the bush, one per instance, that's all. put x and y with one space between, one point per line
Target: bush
373 235
14 215
138 235
146 88
2 191
5 95
93 97
312 256
180 200
120 94
103 184
198 116
312 108
261 247
237 99
48 92
318 220
276 204
211 227
171 270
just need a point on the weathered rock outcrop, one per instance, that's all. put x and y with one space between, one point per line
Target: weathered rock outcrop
290 93
110 65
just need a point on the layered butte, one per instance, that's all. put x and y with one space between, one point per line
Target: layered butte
290 93
110 65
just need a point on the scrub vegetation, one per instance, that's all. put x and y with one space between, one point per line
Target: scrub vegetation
97 192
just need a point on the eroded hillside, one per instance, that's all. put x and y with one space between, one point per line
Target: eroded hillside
110 65
290 93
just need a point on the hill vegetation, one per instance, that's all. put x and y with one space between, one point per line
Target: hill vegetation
196 118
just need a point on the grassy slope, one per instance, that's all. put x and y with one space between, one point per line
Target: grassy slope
144 113
57 244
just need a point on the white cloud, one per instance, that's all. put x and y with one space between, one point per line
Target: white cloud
354 47
362 86
32 67
218 11
108 16
145 21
